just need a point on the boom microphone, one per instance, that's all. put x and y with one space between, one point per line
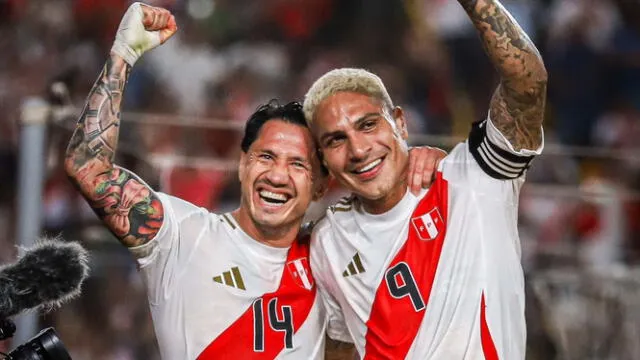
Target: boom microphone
48 274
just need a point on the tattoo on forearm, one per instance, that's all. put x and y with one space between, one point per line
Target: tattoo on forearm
124 202
517 107
97 132
518 119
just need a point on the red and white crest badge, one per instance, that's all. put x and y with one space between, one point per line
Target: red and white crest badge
301 273
428 225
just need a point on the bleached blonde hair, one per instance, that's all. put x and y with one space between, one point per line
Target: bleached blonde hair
346 79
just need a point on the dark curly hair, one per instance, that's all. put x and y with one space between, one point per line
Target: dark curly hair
290 112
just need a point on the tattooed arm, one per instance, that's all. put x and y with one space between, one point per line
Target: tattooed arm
128 207
517 106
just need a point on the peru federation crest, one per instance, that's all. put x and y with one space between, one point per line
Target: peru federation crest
429 225
301 273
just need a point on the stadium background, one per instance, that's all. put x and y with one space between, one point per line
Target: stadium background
186 102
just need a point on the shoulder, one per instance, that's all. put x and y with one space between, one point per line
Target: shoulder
345 205
179 207
321 236
320 231
186 213
338 218
336 215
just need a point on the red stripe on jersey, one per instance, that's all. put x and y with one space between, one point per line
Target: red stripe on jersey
238 340
488 347
399 307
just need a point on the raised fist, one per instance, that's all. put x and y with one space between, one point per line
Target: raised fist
142 28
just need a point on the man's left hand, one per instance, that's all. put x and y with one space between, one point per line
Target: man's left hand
423 164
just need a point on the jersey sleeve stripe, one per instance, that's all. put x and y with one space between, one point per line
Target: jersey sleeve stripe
493 169
510 164
494 161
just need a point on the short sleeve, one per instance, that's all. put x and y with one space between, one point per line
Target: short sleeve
163 259
336 325
495 154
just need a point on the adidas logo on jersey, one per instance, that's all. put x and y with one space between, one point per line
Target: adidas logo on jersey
231 278
355 266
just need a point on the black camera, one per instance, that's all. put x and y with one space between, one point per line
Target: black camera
44 346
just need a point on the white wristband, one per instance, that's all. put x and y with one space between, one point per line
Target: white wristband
132 39
125 52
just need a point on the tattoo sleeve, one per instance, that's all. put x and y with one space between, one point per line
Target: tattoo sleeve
127 205
517 106
338 350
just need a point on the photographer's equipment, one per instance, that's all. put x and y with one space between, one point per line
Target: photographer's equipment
44 346
47 275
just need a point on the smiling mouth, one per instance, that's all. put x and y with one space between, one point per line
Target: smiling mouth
272 198
368 167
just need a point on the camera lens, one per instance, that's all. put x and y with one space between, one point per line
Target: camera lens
7 329
44 346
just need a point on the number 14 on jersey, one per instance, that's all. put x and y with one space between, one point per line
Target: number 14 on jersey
281 321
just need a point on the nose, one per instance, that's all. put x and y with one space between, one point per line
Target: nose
359 148
278 175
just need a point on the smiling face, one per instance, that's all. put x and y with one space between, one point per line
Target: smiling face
280 175
363 146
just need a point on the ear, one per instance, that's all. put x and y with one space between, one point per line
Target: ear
241 165
401 123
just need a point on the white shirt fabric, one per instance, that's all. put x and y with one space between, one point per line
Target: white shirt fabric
480 257
195 293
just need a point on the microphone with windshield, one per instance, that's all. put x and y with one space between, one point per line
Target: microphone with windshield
44 277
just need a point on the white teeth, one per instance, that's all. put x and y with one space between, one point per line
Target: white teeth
369 167
272 196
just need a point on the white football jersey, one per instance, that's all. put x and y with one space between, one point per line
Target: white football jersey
438 276
216 293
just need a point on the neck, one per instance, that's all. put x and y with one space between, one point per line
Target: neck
393 196
387 202
281 236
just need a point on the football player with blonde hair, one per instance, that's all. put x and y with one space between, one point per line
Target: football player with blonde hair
438 275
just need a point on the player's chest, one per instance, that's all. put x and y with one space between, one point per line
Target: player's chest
399 260
229 278
359 259
226 277
231 297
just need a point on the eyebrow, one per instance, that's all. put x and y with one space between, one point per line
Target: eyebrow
293 158
361 119
266 151
366 117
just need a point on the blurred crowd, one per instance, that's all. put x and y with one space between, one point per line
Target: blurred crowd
186 102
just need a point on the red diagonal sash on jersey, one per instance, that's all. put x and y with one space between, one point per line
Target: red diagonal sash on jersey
237 341
488 347
396 317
